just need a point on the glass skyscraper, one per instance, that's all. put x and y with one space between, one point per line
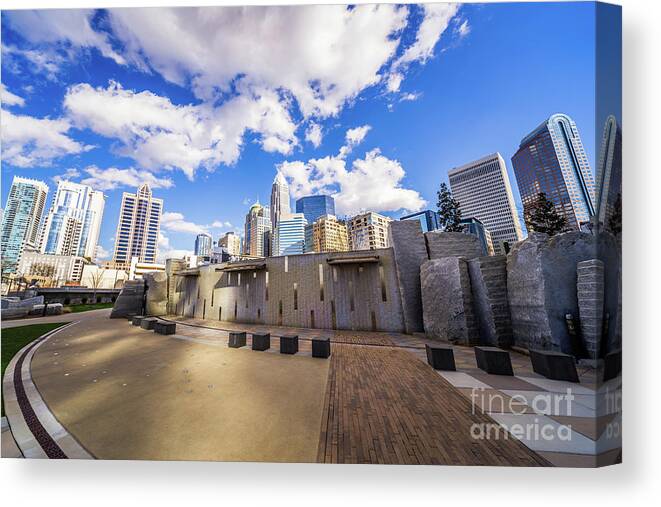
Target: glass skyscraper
21 219
551 160
428 219
289 238
315 206
203 245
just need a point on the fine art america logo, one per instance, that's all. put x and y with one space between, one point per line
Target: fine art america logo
535 404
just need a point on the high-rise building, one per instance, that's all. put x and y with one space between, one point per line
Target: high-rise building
21 219
551 160
231 242
51 270
428 219
368 231
73 223
315 206
609 173
289 236
257 231
203 245
483 191
476 228
279 199
327 234
138 228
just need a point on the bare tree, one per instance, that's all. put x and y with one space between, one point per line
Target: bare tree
95 279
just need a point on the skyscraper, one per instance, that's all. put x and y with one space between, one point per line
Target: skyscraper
289 236
327 234
368 231
279 199
428 219
483 191
551 160
73 223
315 206
203 245
138 227
609 173
257 231
20 220
231 242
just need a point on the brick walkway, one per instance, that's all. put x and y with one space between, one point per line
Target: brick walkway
385 406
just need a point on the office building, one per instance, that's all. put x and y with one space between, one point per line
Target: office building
551 160
327 234
315 206
609 173
279 199
482 189
368 231
50 270
138 227
428 219
21 219
257 231
203 243
231 242
289 236
73 223
475 227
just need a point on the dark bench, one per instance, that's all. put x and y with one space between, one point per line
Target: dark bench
612 364
321 347
130 317
148 323
261 341
289 344
161 327
237 339
440 357
554 365
137 319
494 360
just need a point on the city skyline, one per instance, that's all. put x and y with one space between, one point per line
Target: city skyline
364 137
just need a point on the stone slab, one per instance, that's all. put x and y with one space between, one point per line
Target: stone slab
494 360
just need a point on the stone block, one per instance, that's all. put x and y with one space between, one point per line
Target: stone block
590 293
162 327
156 287
129 300
554 365
237 339
148 323
137 319
612 364
493 360
261 341
321 347
289 344
440 357
447 301
54 309
453 244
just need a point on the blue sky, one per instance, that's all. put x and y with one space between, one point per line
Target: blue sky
373 104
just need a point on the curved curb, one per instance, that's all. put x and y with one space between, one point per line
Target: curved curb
34 427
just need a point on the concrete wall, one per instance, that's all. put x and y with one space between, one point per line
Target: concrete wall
298 291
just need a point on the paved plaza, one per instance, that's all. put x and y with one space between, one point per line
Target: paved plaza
103 388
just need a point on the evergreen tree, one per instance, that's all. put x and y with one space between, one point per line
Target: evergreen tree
615 220
542 216
449 214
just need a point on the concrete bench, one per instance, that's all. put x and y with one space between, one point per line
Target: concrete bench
554 365
137 319
289 344
162 327
440 357
130 316
493 360
612 364
321 347
237 339
148 323
261 341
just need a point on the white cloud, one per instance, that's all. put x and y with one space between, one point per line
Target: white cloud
314 134
7 98
45 62
436 20
394 82
69 174
410 97
372 183
159 134
102 253
112 178
165 251
353 138
463 29
219 224
28 141
69 27
176 222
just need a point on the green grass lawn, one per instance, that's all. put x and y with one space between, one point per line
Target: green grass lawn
15 338
86 308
